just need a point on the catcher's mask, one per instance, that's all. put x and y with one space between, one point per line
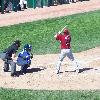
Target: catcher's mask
27 47
17 42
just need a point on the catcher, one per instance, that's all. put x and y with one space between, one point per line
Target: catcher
24 58
65 40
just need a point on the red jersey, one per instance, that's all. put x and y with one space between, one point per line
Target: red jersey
65 40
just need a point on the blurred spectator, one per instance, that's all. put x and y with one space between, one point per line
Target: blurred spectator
23 4
19 7
38 3
8 6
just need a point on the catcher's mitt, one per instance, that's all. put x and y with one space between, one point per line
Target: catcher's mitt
31 55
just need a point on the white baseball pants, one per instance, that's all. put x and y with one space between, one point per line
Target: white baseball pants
68 53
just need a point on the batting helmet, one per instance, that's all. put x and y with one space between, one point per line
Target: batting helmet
66 31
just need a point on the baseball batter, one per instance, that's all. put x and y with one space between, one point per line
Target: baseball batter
65 40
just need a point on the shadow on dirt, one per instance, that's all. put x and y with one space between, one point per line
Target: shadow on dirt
84 69
81 70
31 70
70 71
34 70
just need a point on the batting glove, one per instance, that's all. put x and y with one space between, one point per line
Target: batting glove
59 32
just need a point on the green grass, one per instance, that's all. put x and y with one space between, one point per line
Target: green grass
10 94
84 28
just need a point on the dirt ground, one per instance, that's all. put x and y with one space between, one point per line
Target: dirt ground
41 75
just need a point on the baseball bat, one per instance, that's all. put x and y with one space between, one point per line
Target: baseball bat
62 29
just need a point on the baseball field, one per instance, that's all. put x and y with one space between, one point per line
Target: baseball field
41 81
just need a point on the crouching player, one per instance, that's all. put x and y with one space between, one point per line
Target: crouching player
24 58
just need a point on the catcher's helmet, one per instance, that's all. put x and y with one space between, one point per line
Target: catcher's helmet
27 47
66 31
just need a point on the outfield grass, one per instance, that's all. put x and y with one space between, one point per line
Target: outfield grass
84 28
9 94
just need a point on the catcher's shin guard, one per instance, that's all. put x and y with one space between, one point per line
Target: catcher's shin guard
24 69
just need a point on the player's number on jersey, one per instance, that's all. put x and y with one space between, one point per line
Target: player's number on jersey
66 40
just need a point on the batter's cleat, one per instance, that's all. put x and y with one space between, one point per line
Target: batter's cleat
5 70
57 72
77 70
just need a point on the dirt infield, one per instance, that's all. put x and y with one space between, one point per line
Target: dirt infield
41 74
